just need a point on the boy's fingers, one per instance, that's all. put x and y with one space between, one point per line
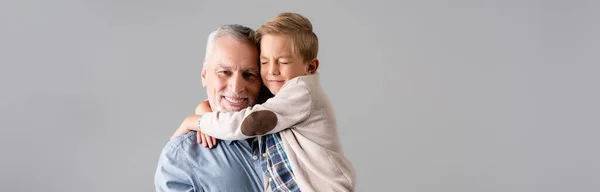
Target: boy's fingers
203 140
210 143
199 137
214 141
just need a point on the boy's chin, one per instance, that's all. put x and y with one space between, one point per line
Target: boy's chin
274 90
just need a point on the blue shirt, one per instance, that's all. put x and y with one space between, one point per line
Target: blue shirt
185 165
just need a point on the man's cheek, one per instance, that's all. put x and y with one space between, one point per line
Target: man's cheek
256 90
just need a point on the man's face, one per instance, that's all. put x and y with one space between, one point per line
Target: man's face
231 75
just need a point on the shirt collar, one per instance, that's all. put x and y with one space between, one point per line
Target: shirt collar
228 142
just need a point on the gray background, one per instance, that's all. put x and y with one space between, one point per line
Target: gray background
430 95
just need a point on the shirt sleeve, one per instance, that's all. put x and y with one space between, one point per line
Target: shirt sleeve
289 107
173 173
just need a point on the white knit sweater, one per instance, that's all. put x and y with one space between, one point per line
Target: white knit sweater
303 116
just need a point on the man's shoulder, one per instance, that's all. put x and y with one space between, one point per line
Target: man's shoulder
188 145
180 142
184 158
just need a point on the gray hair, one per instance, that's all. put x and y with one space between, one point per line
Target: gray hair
235 31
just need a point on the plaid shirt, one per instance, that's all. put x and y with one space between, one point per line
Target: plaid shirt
275 164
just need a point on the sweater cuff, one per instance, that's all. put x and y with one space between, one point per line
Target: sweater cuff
199 119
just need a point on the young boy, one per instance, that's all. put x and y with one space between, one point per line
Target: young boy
298 124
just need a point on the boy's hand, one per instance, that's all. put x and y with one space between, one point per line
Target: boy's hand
206 140
204 107
190 123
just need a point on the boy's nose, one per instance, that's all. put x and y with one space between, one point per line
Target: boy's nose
273 69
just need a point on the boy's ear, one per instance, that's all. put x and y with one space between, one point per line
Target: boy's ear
203 75
312 67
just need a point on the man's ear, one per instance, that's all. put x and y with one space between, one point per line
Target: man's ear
312 66
203 75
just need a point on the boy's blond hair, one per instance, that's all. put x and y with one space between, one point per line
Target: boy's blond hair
298 28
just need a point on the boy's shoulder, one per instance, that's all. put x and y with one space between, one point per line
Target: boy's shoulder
309 85
308 81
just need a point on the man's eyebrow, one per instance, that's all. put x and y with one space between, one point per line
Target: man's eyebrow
224 66
250 69
229 67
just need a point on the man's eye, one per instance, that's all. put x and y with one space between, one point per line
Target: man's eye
263 62
250 75
223 72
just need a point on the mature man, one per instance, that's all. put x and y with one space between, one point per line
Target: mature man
232 80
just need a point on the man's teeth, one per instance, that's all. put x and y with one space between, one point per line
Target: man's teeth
232 100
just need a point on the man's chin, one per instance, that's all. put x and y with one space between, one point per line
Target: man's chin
232 109
228 108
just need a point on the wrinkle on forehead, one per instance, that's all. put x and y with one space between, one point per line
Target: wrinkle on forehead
237 67
236 56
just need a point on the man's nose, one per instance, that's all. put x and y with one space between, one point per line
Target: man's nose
237 84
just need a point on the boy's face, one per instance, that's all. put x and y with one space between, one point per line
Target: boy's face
278 63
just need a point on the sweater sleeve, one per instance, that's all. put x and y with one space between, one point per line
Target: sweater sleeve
289 107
